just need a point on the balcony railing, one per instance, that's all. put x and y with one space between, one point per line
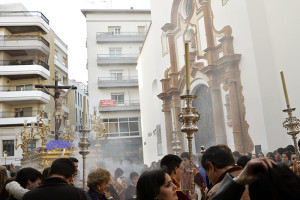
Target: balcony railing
120 37
21 87
24 62
24 37
24 13
122 106
111 59
18 114
123 81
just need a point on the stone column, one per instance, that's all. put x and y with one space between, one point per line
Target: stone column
219 122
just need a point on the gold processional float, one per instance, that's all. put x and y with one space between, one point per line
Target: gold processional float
41 157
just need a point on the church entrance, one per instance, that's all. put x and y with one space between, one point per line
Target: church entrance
206 133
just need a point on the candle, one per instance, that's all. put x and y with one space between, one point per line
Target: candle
284 89
187 66
174 117
84 111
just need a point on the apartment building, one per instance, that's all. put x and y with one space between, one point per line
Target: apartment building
78 108
114 40
30 53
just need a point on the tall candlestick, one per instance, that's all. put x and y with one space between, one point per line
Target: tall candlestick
84 111
284 89
187 67
174 117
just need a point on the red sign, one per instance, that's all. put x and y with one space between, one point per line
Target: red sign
107 103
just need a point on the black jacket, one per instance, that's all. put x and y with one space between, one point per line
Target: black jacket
55 189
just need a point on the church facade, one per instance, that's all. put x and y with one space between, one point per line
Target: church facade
237 49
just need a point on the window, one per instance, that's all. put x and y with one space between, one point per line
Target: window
116 75
8 147
114 52
120 127
23 87
114 30
118 97
31 146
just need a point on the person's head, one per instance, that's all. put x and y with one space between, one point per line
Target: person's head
134 177
271 156
98 180
215 160
260 155
3 177
253 156
172 164
278 183
294 158
236 155
290 148
280 150
155 184
45 174
118 172
56 94
242 161
185 159
63 167
75 161
286 156
29 178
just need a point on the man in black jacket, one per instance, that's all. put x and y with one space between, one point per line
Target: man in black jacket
57 186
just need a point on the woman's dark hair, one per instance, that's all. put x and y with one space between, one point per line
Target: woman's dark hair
279 183
242 161
288 154
149 184
27 174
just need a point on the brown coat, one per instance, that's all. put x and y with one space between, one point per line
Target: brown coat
235 171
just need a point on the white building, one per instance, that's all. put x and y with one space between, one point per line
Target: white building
237 50
30 54
114 40
79 94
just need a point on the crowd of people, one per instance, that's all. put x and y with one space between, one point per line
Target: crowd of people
220 174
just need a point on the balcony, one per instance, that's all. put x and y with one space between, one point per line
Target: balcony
118 82
22 94
23 69
123 37
24 21
120 106
115 59
15 118
24 45
60 65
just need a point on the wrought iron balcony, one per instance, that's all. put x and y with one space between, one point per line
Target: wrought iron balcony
117 82
24 68
14 21
122 37
24 62
129 105
24 93
24 44
18 117
115 59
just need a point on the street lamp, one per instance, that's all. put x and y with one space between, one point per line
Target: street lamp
4 155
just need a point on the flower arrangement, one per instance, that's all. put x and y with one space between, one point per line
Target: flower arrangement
58 144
